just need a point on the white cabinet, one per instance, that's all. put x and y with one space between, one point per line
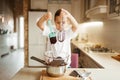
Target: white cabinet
37 42
78 8
6 41
113 8
87 62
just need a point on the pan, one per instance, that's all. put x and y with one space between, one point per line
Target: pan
56 68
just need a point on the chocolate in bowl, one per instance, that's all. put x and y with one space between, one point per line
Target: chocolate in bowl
57 63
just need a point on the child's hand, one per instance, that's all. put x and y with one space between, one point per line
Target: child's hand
70 18
65 13
47 16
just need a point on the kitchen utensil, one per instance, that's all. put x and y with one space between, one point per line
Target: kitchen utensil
39 60
53 70
56 71
61 36
52 37
74 74
61 33
83 75
52 34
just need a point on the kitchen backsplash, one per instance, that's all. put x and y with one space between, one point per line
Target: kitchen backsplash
107 35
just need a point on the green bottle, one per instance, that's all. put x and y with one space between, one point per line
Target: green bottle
52 34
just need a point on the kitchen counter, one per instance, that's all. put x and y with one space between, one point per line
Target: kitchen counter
96 74
110 71
104 59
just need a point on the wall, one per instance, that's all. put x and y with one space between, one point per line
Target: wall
107 35
6 12
10 11
111 36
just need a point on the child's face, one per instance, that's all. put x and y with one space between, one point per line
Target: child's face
59 21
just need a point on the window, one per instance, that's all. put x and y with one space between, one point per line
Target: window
21 32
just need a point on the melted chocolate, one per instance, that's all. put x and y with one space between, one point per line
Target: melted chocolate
53 40
57 62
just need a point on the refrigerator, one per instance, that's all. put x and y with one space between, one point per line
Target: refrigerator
37 42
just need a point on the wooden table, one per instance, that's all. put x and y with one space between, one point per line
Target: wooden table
34 74
28 74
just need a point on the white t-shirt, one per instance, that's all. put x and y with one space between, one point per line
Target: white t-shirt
62 49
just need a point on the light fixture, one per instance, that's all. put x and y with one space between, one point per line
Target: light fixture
1 18
92 23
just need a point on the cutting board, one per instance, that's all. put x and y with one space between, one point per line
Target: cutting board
45 76
116 57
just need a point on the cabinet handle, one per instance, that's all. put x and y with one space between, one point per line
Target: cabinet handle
5 54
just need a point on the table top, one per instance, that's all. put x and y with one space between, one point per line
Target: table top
35 74
96 73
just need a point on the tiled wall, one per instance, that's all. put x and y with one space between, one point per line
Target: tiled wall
108 35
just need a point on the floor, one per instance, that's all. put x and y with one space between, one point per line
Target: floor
11 64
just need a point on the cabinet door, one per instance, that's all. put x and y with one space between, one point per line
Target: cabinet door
83 60
90 63
37 42
35 34
37 51
87 62
113 8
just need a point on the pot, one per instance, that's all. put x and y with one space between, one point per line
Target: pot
53 70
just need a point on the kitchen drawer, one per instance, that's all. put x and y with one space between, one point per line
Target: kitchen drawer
86 62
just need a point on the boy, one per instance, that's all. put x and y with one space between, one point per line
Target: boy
61 17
